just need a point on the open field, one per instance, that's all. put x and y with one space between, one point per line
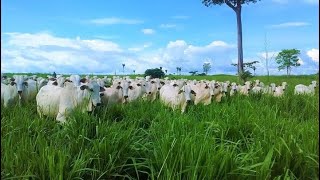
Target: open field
255 137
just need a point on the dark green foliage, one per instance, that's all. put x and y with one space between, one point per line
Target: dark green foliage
193 73
154 73
245 75
287 58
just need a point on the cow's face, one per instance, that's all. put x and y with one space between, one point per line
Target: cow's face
20 82
93 93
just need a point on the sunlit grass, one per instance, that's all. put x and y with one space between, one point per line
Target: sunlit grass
255 137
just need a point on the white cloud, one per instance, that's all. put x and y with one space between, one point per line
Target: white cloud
289 24
140 48
148 31
39 39
168 26
100 45
114 20
88 56
314 55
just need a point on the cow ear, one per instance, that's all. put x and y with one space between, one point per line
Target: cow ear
101 89
55 83
83 87
162 83
83 80
180 91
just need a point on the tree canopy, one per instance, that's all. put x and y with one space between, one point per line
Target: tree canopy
288 58
206 67
154 73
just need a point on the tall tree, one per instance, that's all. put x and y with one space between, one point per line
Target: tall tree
206 67
123 65
288 58
235 5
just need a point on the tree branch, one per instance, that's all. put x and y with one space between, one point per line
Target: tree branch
230 5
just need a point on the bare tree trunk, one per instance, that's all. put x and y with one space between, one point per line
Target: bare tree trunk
287 71
240 49
265 48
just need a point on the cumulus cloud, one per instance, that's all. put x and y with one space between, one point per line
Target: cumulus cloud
114 20
86 56
45 53
147 31
289 24
140 48
314 54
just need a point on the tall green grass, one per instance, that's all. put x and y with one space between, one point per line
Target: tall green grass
255 137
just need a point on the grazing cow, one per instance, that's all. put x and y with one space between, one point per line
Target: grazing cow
41 82
303 89
152 87
217 90
137 89
112 95
8 94
279 90
175 97
75 79
30 91
245 89
234 88
269 89
203 93
58 102
5 79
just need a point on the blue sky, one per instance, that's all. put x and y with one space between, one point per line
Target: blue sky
98 36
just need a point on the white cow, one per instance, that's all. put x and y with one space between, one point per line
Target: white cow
303 89
112 95
58 102
137 89
152 89
203 93
279 91
175 97
75 79
234 88
8 94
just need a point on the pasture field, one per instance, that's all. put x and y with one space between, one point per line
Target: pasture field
255 137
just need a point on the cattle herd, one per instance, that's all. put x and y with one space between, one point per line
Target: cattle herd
58 96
